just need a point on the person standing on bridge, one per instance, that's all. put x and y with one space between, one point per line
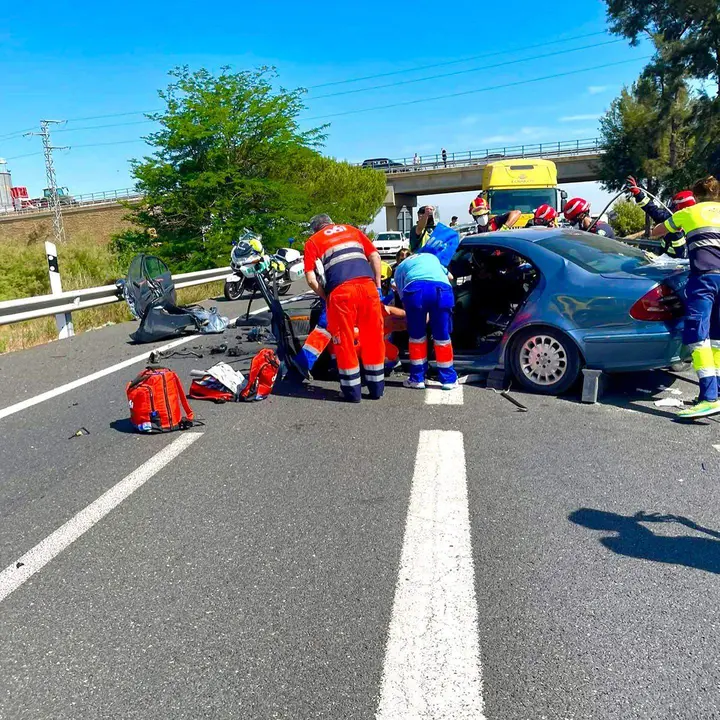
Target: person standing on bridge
444 156
701 333
480 211
351 270
577 212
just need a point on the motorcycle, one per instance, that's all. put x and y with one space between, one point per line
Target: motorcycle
285 266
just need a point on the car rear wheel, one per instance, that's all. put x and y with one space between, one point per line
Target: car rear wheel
544 360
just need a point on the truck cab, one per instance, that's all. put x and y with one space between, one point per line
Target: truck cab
522 185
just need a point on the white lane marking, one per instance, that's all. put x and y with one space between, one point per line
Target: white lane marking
13 576
432 660
438 396
25 404
717 447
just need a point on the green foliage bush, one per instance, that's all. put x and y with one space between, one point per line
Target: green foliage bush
627 218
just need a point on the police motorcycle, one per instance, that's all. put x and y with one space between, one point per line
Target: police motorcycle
285 266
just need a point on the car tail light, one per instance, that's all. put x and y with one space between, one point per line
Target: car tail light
661 303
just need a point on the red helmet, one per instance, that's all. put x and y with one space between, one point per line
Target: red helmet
682 200
479 207
545 215
574 208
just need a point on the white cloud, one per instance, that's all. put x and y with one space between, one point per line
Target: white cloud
579 118
596 89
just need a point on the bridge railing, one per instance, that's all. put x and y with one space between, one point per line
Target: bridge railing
562 148
98 198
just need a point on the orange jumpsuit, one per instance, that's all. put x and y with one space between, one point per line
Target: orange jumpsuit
352 302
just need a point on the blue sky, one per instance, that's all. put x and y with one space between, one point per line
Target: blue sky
99 60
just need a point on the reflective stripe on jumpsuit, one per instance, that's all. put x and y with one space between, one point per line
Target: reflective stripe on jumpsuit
319 338
423 297
702 331
353 305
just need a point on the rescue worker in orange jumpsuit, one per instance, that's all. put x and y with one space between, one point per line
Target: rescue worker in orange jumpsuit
350 265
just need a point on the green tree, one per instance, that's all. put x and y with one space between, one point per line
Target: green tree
686 34
645 137
627 218
230 154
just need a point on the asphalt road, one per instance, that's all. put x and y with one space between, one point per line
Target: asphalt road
257 573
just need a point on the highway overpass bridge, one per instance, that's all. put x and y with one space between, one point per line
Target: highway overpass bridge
575 160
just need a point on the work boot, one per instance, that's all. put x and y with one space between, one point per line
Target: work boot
704 408
450 386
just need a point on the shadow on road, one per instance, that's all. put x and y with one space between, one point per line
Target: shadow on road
635 540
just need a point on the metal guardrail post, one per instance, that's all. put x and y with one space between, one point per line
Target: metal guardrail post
63 320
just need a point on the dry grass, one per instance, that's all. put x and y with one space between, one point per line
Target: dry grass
37 332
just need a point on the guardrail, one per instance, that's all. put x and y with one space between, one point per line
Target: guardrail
62 303
563 148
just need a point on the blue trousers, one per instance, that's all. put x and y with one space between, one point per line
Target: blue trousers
423 298
702 331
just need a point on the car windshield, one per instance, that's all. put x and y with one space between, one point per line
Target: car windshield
388 237
527 200
595 253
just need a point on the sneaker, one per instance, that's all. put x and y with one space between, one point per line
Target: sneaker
450 386
700 410
413 384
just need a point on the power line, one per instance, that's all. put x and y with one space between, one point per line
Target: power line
469 70
102 127
477 90
16 134
455 62
17 157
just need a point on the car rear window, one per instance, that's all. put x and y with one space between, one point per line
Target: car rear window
595 253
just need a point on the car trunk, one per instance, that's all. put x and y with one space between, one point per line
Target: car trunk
670 275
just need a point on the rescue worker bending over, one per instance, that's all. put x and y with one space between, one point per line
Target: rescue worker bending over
701 225
424 289
545 216
577 212
673 244
351 268
480 211
319 337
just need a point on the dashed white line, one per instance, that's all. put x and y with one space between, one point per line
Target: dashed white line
432 661
438 396
25 404
717 447
35 559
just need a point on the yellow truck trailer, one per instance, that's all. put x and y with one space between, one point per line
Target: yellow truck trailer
521 185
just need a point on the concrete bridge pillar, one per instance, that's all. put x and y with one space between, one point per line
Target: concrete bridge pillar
393 207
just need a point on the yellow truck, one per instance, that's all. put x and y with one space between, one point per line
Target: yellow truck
521 185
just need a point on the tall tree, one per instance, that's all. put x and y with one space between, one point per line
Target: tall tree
645 136
686 33
230 154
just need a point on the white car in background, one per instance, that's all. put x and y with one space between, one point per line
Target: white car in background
388 243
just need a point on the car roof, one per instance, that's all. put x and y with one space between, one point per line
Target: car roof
531 234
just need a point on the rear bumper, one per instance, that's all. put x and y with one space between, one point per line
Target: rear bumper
646 348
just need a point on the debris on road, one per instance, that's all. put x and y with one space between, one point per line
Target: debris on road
79 433
669 402
158 356
510 398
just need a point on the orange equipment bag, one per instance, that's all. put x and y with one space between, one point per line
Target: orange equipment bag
157 401
261 378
